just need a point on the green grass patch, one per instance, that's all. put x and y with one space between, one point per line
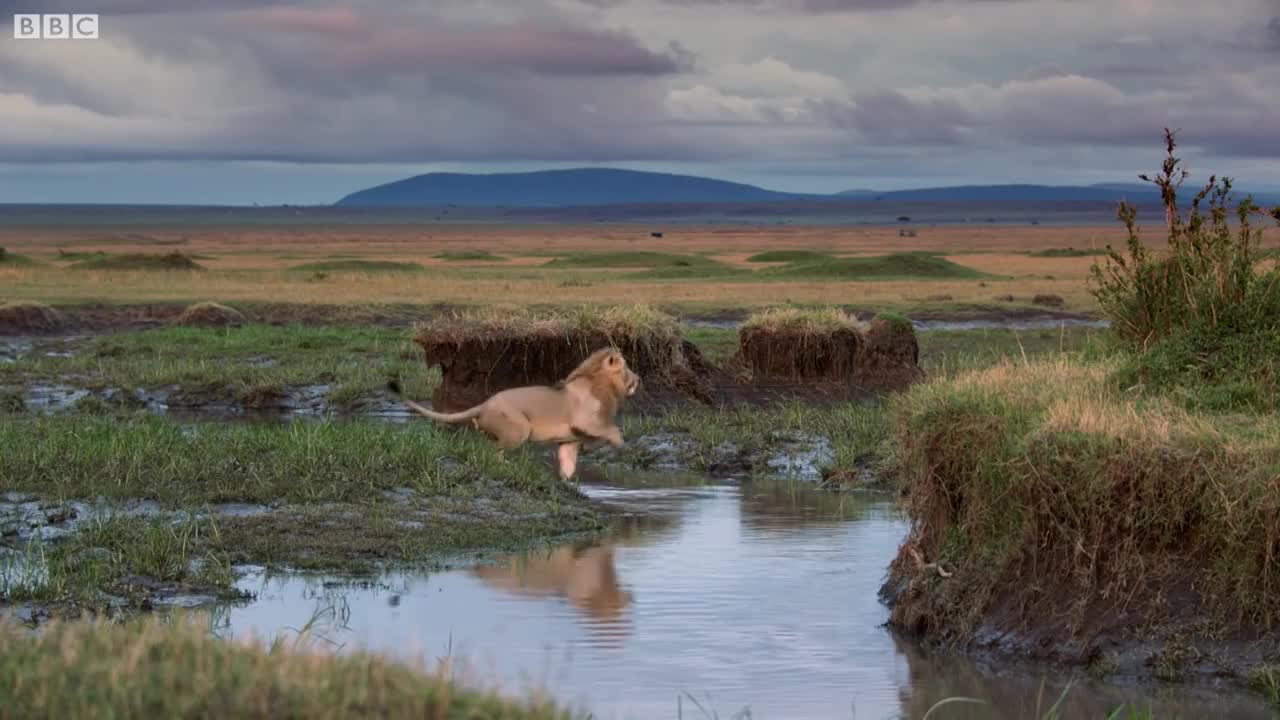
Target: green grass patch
1068 252
631 259
710 270
8 259
947 353
715 344
80 256
355 362
358 266
140 261
342 495
180 669
149 457
789 256
110 553
469 256
896 266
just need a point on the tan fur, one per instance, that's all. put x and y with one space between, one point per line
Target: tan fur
582 406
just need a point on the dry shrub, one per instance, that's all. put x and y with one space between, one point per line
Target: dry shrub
1048 300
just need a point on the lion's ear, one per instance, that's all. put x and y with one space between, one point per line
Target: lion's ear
613 359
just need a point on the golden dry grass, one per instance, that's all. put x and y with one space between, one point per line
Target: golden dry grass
250 264
60 286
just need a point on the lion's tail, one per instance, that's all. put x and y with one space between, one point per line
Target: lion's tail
444 417
457 417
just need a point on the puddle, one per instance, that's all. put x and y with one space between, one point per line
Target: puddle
803 457
52 398
759 596
13 349
26 518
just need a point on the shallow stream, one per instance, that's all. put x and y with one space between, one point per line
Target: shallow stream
719 598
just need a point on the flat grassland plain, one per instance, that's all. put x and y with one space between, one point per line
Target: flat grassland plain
690 267
333 304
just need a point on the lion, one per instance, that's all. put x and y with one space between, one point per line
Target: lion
581 407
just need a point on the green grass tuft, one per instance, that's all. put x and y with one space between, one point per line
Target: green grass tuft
789 256
641 322
1067 252
358 266
8 259
896 266
177 668
631 259
802 320
140 261
469 256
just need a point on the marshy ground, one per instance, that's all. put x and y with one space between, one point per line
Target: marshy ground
254 466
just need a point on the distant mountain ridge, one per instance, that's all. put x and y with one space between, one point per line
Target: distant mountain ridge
552 188
580 187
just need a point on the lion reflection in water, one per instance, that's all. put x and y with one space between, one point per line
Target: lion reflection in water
584 575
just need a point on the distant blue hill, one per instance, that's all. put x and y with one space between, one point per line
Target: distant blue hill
584 187
556 188
1014 193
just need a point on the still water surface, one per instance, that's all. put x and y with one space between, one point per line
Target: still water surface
740 597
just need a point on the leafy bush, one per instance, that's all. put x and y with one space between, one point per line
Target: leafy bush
1207 277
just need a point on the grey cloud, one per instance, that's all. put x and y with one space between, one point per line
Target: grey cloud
127 7
344 38
811 6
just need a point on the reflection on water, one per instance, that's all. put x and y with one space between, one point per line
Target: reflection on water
760 596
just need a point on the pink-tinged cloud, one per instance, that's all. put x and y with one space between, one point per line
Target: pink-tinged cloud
354 40
304 20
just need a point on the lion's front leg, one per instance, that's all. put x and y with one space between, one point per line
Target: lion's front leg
568 456
609 433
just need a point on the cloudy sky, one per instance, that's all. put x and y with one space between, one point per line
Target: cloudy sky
234 101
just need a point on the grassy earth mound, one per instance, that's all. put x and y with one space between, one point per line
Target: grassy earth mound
140 261
26 318
1071 521
211 314
794 345
828 346
1118 511
481 353
904 265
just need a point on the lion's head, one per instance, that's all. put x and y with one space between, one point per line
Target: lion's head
606 370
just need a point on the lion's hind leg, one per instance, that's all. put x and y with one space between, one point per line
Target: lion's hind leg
508 430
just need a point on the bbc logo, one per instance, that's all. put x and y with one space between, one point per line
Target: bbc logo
55 27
